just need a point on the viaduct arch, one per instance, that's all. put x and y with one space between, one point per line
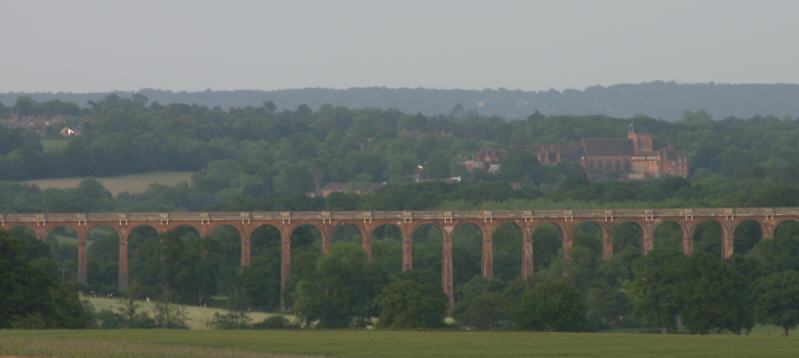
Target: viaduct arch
245 223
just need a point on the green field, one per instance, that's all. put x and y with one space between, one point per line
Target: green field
54 144
197 317
365 343
134 183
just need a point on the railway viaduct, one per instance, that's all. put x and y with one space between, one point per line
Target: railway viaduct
408 222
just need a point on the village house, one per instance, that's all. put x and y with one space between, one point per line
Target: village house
68 132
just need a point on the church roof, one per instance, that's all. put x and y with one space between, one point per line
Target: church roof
607 147
570 152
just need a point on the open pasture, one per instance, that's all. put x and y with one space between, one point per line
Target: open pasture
134 183
367 343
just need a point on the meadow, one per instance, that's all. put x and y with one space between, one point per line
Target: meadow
197 318
134 183
388 344
54 144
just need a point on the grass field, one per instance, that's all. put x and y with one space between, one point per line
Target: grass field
54 144
134 183
198 318
365 343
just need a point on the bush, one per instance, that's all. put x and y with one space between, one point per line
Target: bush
275 322
231 320
408 304
552 305
489 310
107 319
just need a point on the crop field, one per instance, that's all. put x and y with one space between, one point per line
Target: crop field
134 183
368 343
196 317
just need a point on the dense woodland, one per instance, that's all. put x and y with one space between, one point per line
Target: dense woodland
263 159
259 158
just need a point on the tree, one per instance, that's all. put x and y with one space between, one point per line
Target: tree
713 296
32 297
779 254
778 300
408 305
270 107
167 314
340 290
489 310
480 304
518 165
654 288
607 308
551 305
128 315
236 317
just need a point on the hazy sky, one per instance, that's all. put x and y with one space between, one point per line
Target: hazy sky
99 45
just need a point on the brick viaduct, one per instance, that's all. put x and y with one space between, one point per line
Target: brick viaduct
408 222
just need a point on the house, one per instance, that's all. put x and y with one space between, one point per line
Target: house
487 159
68 132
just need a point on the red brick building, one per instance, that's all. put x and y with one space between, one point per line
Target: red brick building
633 158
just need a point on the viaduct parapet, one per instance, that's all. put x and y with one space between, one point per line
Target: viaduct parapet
326 222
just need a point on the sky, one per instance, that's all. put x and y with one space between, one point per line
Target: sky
102 45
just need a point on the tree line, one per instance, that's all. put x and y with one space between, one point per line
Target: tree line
663 291
658 99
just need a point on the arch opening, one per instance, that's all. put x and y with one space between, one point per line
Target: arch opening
587 239
225 255
63 243
144 262
346 234
467 253
262 277
23 231
547 246
707 237
102 247
786 229
387 248
668 236
427 240
628 238
182 248
586 254
306 248
746 236
507 251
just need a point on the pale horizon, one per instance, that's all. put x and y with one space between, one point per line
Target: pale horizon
98 46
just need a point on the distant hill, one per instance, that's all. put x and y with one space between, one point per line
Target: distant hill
665 100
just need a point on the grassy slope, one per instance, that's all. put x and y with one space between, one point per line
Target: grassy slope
364 343
134 183
197 317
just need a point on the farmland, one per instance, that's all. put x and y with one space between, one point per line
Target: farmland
365 343
134 183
